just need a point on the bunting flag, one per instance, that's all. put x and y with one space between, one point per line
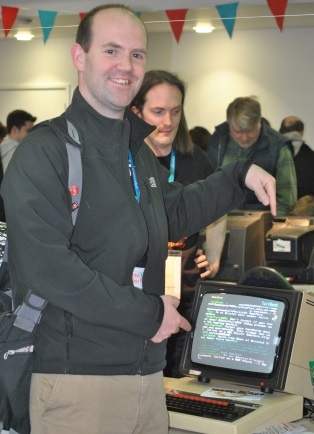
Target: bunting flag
82 14
47 19
9 15
177 18
278 9
228 15
138 14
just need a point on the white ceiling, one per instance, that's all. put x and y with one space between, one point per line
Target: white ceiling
251 14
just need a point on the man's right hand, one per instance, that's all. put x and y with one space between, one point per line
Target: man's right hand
172 321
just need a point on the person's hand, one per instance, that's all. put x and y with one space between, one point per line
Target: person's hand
207 269
172 321
202 264
264 186
213 269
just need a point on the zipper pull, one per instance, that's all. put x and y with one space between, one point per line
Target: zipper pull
28 349
8 353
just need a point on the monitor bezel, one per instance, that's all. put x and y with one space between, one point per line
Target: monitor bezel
274 380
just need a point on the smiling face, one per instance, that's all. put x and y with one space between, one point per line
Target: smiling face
162 108
112 71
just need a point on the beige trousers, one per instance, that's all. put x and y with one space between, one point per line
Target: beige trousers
88 404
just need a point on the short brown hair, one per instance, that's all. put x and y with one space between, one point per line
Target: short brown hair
18 118
245 112
84 31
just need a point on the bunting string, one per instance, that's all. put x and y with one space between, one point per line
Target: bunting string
194 20
175 18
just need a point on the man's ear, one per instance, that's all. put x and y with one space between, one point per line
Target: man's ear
136 111
14 132
78 56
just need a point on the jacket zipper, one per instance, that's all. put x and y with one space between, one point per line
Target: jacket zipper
143 358
69 331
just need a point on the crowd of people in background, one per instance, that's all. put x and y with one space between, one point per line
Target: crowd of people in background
244 134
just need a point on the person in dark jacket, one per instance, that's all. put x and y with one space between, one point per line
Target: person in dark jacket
246 135
292 128
100 344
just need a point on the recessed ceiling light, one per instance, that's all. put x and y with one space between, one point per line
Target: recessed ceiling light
24 36
204 28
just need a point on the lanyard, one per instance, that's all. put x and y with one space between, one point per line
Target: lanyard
172 166
134 178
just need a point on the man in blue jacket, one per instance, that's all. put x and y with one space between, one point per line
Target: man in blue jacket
100 345
246 135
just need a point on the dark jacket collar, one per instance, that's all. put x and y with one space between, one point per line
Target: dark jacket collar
139 129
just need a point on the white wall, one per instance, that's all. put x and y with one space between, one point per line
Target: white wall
33 64
275 66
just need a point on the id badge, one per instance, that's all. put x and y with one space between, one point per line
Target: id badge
173 273
137 277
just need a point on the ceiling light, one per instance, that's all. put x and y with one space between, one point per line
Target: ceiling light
204 28
24 36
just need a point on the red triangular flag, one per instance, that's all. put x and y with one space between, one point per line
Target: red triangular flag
82 14
177 18
9 15
278 9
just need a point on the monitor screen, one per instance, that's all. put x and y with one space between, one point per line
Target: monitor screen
234 332
246 334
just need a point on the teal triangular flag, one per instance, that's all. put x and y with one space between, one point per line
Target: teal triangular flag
138 14
228 15
47 19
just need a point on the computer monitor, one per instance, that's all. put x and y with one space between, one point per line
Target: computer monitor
244 246
254 336
289 248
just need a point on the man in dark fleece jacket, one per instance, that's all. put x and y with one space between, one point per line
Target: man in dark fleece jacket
100 345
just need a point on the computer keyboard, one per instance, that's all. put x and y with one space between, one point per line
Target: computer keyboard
195 405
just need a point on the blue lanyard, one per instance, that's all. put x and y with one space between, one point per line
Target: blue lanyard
172 166
134 178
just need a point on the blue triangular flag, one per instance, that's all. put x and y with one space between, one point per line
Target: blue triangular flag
47 19
228 15
138 14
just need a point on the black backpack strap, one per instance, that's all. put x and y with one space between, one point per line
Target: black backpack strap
28 314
